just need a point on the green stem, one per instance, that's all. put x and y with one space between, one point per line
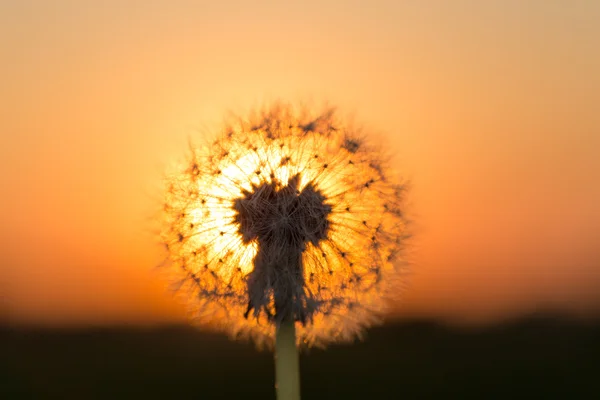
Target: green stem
287 366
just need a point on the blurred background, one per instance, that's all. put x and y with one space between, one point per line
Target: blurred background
490 108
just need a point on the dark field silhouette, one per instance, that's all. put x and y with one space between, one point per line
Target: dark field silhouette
537 357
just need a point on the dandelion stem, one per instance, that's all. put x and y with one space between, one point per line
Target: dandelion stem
287 368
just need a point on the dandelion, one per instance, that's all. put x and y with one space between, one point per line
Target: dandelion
286 228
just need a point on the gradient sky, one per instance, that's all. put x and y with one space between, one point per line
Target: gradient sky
491 109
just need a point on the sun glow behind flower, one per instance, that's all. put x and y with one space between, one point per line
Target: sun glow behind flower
281 184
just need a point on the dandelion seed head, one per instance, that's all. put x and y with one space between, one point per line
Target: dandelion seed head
285 215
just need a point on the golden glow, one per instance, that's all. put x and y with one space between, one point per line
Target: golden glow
490 110
350 271
238 173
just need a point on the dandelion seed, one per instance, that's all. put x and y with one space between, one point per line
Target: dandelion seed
285 216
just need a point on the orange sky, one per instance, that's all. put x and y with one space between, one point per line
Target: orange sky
491 109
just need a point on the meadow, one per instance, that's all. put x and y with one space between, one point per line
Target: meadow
535 357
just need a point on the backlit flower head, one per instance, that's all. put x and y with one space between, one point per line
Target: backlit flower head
286 215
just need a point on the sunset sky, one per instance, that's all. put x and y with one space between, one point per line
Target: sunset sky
490 108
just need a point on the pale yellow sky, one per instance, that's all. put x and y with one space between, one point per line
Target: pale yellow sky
489 107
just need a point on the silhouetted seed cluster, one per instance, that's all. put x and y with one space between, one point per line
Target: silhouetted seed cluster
282 219
286 215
